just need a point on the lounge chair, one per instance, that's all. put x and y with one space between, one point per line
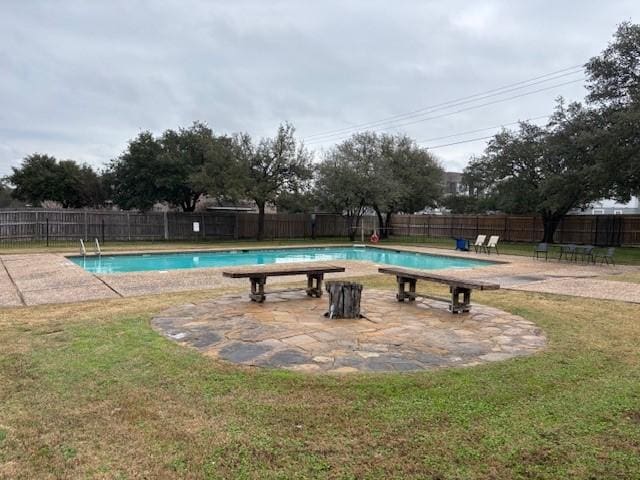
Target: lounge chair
568 252
492 243
479 245
541 248
606 257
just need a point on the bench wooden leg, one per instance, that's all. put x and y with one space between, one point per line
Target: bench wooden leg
412 289
402 294
314 290
257 289
456 305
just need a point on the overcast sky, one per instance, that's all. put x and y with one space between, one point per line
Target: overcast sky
79 79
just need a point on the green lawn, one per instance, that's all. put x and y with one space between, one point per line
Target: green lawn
90 391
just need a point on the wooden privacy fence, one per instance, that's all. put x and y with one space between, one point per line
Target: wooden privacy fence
41 225
50 226
600 230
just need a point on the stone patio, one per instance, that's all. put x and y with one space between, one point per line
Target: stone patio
289 331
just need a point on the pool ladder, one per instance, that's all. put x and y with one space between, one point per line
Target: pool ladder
83 248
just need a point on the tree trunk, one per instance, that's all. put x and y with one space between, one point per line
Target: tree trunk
344 299
381 224
352 227
387 224
260 220
550 226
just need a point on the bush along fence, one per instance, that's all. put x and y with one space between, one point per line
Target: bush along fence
52 227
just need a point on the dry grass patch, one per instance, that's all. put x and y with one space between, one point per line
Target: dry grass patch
90 391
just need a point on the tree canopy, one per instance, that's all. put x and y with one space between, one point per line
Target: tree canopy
43 178
384 172
166 169
270 168
585 152
613 81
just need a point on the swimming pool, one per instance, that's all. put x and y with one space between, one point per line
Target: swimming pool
228 258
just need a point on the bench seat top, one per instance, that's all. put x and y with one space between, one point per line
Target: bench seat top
434 277
282 270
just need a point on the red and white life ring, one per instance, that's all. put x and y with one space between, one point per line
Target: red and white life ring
374 238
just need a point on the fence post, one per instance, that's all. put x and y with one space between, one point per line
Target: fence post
166 225
128 227
506 225
102 229
86 227
47 231
204 235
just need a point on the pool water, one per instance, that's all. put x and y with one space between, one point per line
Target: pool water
173 261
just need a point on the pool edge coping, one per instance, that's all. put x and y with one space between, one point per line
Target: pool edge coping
396 249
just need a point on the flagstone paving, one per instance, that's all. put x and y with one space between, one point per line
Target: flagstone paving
290 331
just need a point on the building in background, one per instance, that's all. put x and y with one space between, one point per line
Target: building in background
610 207
453 184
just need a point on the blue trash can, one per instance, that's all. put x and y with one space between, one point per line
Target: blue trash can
462 244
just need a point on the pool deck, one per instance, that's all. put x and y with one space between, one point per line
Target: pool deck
47 278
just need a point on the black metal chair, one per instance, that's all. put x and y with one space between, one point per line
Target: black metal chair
568 252
541 248
586 253
606 257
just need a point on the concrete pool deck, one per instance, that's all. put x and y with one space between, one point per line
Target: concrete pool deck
48 278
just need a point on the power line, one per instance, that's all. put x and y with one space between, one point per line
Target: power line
460 142
473 107
468 132
494 91
449 105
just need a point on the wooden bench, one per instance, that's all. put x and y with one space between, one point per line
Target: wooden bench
457 287
258 277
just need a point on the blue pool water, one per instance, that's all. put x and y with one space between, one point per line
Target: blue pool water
172 261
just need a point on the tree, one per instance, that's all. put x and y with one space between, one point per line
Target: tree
388 173
614 90
350 178
132 176
414 179
545 170
42 178
341 187
165 169
6 197
270 168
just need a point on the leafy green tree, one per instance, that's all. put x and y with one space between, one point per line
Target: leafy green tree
133 175
388 173
614 91
6 198
303 201
41 177
165 169
342 186
412 179
461 204
270 168
545 170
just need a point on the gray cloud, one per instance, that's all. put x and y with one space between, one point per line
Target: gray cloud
79 79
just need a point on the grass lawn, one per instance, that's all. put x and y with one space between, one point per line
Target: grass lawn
90 391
